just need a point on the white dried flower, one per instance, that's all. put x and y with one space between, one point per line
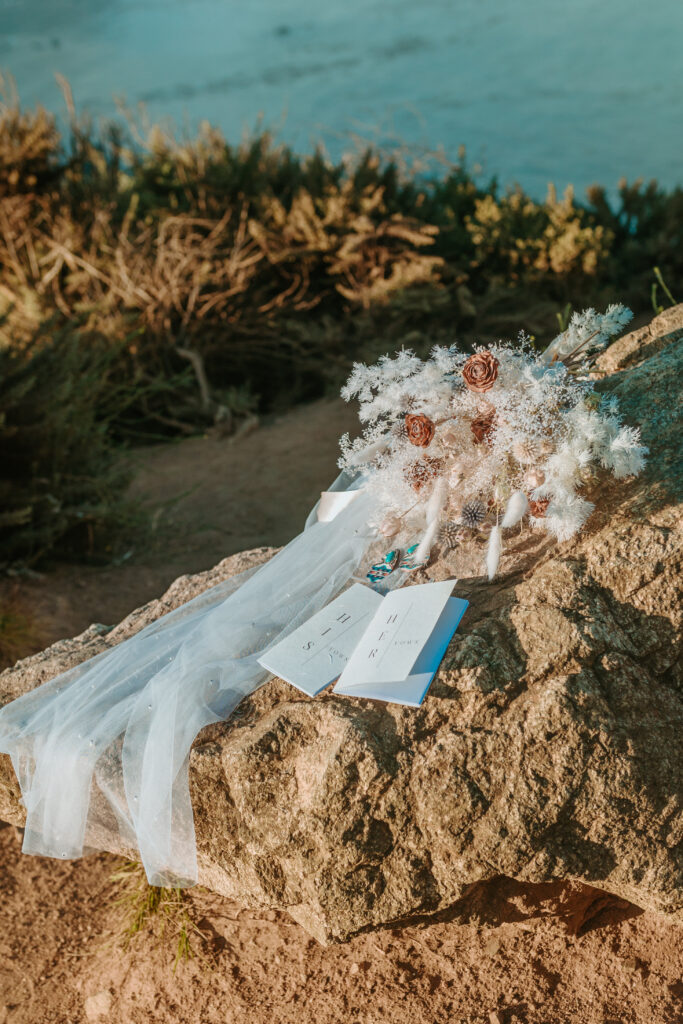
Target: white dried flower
515 509
625 455
533 478
493 552
588 332
390 526
527 450
565 518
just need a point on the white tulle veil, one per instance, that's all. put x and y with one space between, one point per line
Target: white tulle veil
102 751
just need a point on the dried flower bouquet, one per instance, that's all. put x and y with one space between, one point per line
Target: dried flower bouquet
457 444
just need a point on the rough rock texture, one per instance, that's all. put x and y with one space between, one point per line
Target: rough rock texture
549 745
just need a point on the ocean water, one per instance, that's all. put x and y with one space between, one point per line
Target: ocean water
537 91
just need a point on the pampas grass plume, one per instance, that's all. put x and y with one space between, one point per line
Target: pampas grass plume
493 552
515 508
437 500
425 545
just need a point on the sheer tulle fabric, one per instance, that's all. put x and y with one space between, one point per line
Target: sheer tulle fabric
102 751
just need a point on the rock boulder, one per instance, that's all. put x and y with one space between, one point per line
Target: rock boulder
548 748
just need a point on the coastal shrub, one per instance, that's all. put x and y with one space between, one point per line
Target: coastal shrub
520 239
29 149
206 280
61 478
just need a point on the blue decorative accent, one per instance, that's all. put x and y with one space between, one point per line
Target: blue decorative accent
382 569
408 564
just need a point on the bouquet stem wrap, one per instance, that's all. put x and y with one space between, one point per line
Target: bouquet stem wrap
102 751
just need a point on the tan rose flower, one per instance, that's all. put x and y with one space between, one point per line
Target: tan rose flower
480 372
420 429
482 427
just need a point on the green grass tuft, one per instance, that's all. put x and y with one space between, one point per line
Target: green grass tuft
164 915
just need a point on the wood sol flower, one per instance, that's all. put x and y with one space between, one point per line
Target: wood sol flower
480 372
420 429
537 509
482 427
423 471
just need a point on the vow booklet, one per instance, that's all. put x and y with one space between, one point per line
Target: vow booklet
402 648
387 648
313 655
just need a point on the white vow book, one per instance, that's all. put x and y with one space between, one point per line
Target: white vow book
384 648
402 648
313 655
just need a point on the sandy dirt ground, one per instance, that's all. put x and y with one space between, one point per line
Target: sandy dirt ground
209 497
534 955
514 960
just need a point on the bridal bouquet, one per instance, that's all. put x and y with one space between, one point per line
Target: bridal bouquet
462 444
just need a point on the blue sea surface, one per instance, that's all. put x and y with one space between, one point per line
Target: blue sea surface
538 91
